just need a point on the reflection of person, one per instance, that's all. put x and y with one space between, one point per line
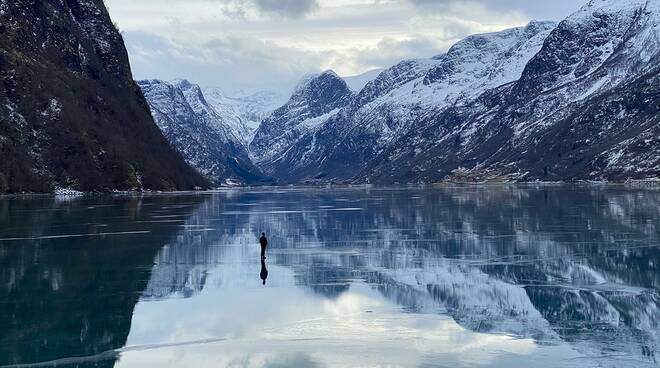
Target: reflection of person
264 271
264 243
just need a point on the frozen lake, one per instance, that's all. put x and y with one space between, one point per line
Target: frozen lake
496 276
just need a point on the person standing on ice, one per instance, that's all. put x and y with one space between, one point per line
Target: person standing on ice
264 243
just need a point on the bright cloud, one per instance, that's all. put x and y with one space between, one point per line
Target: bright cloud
270 44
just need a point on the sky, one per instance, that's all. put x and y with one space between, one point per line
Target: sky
250 45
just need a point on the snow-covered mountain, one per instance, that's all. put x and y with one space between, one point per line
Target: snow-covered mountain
243 111
316 99
388 106
209 142
585 107
574 100
357 82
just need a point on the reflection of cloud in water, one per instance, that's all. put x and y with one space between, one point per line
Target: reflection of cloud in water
293 360
261 325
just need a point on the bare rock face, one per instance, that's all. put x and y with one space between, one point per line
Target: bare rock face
71 115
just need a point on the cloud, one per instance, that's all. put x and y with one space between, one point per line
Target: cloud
390 51
546 10
289 8
235 62
241 9
438 3
230 62
271 44
297 360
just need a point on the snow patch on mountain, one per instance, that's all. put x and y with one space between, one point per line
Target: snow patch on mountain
357 82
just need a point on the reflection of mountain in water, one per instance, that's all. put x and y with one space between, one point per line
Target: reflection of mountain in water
576 264
74 296
181 266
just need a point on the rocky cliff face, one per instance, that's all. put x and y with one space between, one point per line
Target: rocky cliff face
203 136
70 114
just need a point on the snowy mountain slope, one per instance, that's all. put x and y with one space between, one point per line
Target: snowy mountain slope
577 100
386 108
588 99
243 112
199 132
599 33
316 99
357 82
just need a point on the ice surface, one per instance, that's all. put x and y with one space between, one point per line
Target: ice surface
499 276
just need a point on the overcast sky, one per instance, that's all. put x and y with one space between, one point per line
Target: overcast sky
270 44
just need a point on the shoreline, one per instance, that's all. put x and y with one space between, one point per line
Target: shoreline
70 193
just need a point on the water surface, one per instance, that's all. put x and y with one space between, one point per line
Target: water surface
495 276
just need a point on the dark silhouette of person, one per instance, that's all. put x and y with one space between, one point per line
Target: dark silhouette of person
264 271
264 243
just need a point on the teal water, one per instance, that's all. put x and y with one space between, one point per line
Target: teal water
495 276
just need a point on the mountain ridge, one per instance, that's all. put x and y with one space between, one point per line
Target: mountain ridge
452 117
388 106
520 125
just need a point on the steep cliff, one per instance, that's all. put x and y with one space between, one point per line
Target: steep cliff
70 114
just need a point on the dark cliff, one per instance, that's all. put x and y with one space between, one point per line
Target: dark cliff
71 115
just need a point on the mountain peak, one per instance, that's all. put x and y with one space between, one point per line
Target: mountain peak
317 98
536 26
321 91
329 73
182 83
312 80
191 90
